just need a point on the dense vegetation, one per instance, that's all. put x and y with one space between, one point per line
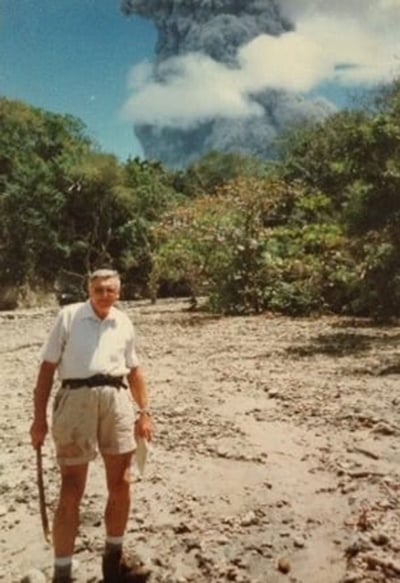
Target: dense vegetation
317 232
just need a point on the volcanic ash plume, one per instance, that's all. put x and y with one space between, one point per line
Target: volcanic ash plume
224 78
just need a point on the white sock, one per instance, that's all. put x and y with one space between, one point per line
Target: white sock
63 566
114 543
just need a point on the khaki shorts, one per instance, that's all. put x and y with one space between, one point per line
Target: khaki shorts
85 419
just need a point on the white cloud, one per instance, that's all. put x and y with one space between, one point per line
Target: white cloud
293 62
350 42
383 11
193 87
361 33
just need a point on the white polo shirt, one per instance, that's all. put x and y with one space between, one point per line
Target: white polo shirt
84 345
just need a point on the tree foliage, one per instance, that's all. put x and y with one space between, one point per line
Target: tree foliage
354 158
216 169
319 231
256 244
66 207
37 151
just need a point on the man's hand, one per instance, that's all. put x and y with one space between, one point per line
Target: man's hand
38 433
144 427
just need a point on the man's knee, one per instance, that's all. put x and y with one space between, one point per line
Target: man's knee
118 470
121 486
72 487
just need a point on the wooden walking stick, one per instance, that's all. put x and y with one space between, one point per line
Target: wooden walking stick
42 497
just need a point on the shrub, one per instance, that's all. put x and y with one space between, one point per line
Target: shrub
257 245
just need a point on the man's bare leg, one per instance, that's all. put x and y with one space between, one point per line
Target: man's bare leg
66 518
115 566
119 496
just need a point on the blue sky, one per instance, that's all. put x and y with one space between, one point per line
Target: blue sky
74 56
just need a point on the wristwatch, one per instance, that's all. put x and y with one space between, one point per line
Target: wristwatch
144 411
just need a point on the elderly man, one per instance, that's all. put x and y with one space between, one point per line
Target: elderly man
92 348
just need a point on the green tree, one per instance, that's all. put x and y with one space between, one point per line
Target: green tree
216 169
256 245
37 151
149 192
354 159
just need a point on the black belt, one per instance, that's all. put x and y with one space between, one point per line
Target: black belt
97 380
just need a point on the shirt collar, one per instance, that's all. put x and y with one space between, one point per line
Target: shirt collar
88 312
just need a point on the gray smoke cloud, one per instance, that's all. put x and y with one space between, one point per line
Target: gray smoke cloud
231 75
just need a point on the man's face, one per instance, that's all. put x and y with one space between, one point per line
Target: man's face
103 293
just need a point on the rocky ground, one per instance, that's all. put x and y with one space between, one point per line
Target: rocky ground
277 453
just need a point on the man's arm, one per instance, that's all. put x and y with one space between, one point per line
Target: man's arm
42 390
137 385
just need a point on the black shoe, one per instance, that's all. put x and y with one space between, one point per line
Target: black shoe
119 568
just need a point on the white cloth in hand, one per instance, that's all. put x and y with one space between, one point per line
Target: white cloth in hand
143 448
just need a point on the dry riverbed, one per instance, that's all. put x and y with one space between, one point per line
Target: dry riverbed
277 453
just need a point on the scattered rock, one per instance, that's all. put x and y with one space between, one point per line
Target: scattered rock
34 576
352 577
380 539
284 566
249 519
299 543
383 428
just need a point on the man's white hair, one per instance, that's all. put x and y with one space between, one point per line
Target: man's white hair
105 274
